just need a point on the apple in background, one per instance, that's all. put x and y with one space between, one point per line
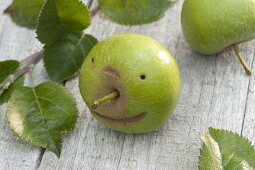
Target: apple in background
130 82
210 26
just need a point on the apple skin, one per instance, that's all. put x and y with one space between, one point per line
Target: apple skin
119 63
210 26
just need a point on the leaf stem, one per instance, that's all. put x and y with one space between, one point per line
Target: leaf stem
25 66
240 57
105 99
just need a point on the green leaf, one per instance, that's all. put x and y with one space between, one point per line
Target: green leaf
7 93
226 150
38 115
65 57
7 68
134 12
73 14
49 28
210 154
59 17
25 13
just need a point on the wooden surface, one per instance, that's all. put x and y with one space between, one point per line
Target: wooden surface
216 93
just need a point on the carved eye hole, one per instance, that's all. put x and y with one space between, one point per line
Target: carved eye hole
92 60
142 77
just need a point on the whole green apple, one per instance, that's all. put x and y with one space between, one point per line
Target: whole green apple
130 82
210 26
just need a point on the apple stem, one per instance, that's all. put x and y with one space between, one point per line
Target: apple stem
105 99
240 57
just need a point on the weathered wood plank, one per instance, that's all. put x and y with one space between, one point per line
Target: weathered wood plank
249 117
17 43
214 94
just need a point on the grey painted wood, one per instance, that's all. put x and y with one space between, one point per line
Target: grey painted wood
249 115
17 43
216 92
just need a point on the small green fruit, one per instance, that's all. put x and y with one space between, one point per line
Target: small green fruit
131 83
210 26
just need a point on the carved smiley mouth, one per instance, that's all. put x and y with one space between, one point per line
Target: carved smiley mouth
125 121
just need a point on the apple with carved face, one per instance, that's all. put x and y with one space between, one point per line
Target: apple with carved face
131 83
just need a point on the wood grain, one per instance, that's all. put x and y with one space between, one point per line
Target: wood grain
17 43
215 93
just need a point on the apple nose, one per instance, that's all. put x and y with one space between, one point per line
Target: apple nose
112 73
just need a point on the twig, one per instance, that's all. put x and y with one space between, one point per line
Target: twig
31 61
94 11
25 66
90 3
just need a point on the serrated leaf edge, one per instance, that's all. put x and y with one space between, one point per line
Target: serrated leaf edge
234 133
153 19
87 36
37 22
29 140
89 12
224 130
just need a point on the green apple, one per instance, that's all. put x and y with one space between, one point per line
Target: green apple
210 26
130 82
